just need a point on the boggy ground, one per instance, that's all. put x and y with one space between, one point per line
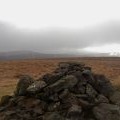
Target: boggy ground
11 70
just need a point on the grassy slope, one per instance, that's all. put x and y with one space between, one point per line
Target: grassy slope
9 70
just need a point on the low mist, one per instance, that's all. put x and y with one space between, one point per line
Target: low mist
58 40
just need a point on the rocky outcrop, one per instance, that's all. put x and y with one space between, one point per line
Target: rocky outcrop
71 92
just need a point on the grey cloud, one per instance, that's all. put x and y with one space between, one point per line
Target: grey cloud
57 40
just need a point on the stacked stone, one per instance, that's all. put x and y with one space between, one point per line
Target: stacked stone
71 92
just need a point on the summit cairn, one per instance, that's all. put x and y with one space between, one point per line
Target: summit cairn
71 92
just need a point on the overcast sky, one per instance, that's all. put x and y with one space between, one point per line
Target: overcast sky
60 26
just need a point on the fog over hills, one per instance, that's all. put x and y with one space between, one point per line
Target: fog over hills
65 27
57 41
16 55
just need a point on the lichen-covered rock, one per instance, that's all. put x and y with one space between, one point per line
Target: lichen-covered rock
64 83
115 98
23 84
90 91
107 112
103 85
101 99
74 112
36 86
52 78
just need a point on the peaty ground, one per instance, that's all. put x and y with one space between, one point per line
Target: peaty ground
10 71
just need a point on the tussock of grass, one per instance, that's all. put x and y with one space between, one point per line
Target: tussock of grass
7 90
116 82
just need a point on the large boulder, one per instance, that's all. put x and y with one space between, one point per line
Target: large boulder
66 82
103 85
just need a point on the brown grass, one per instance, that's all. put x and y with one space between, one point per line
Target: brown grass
9 70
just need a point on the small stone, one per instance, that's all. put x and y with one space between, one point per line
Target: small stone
37 86
54 97
87 72
115 98
107 112
85 104
10 112
101 99
38 110
82 96
90 91
70 81
52 78
63 65
54 116
63 94
23 84
74 112
53 106
68 101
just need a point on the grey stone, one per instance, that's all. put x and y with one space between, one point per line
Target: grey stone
85 104
90 91
115 98
36 86
10 112
74 113
63 94
54 116
107 112
23 84
56 87
54 97
38 110
68 101
52 78
53 106
87 72
101 99
103 85
70 81
64 83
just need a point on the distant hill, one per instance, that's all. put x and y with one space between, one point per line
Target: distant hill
21 55
16 55
60 40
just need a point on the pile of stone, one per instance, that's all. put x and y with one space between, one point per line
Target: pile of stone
71 92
